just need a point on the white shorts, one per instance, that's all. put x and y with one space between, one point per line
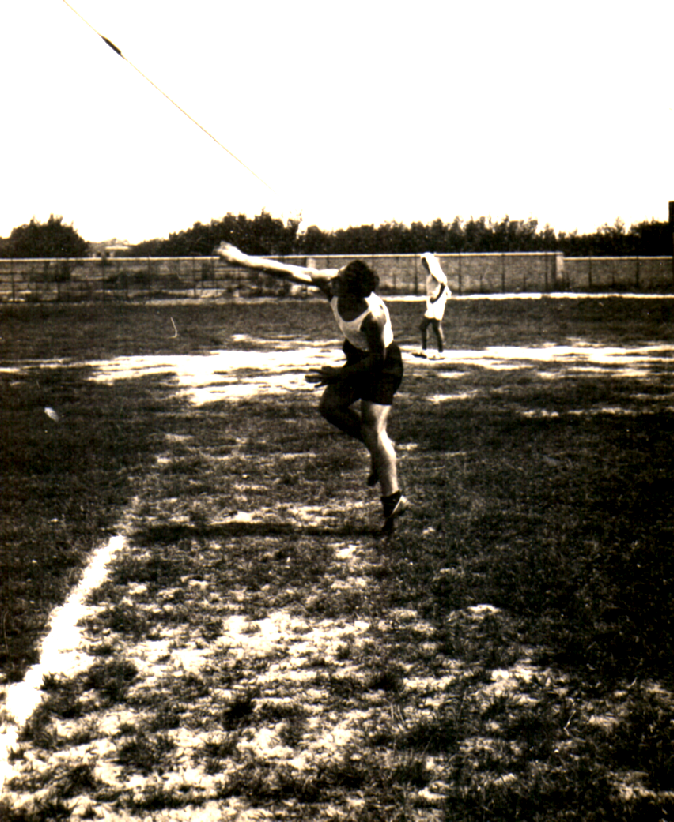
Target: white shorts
436 310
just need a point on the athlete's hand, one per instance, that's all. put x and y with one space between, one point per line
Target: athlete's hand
229 252
327 375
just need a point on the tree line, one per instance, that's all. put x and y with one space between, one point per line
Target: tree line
50 239
269 236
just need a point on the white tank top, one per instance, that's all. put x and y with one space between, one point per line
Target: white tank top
351 328
435 279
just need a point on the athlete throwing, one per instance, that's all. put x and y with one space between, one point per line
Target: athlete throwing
373 370
437 293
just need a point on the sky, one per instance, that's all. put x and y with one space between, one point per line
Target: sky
344 113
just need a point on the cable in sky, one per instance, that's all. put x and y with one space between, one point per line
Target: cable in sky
173 102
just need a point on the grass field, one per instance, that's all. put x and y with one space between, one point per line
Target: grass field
257 651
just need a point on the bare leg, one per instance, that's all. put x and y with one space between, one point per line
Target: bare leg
376 438
439 336
422 327
369 427
338 412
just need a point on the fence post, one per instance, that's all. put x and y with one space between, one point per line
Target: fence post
671 233
589 271
11 274
503 273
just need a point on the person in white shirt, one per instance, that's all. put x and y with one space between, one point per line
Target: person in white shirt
373 370
437 293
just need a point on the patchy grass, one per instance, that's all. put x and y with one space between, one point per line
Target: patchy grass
257 649
64 484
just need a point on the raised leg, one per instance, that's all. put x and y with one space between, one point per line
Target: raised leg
337 410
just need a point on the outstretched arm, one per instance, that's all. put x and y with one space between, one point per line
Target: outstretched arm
295 273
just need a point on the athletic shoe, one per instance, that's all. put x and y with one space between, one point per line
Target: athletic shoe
394 506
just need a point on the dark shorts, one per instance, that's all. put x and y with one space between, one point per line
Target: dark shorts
378 384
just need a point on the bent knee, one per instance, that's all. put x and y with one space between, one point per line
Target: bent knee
329 407
374 425
370 427
372 436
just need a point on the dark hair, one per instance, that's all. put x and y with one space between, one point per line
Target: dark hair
360 278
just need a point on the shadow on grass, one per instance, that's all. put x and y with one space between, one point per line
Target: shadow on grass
167 534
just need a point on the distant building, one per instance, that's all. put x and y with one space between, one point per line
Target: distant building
111 248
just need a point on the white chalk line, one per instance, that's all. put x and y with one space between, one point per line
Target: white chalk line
60 653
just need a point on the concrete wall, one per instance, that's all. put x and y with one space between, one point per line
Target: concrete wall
131 278
648 274
466 273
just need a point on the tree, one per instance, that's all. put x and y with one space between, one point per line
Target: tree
476 233
652 238
50 239
419 238
455 237
612 239
393 238
356 240
314 241
266 235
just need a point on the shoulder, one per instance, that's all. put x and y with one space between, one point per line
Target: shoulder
377 315
376 305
